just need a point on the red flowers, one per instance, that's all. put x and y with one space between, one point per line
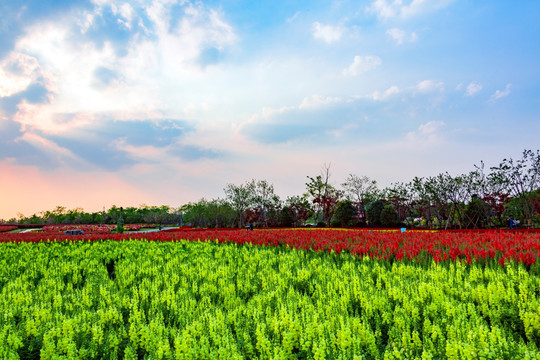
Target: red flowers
469 246
6 228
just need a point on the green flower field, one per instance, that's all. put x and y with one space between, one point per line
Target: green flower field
208 299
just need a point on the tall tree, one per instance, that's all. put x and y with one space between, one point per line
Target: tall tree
264 200
240 197
360 190
324 196
300 209
522 178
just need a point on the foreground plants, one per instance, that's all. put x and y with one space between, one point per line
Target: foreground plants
206 300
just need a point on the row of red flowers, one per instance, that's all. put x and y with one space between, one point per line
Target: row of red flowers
469 246
5 228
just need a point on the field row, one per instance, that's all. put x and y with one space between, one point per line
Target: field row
469 246
206 300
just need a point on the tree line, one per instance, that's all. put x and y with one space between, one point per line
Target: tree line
481 198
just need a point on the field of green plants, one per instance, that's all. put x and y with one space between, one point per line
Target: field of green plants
138 299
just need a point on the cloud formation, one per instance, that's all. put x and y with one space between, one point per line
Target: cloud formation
327 33
430 86
473 88
501 93
400 36
362 64
386 9
172 99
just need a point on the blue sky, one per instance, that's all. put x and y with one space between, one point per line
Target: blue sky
166 101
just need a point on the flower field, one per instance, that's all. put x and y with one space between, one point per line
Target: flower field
6 228
420 246
270 294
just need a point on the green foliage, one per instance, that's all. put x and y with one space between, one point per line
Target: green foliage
373 212
344 214
476 214
181 300
389 216
209 214
131 215
286 217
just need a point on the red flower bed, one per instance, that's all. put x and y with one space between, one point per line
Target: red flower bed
468 246
5 228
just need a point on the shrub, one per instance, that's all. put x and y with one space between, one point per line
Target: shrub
373 212
389 216
476 214
345 212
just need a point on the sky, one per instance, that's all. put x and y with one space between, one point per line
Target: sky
164 102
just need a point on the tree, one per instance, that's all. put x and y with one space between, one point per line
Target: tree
300 208
421 202
214 213
264 201
345 213
240 197
360 190
220 213
389 216
449 195
521 178
324 196
373 212
195 214
399 195
476 214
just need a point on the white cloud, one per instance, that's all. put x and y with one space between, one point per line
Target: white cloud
385 9
362 64
473 88
327 33
127 13
427 133
501 93
294 17
430 86
17 72
400 36
317 101
147 68
430 127
377 95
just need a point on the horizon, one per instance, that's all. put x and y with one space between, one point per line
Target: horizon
167 101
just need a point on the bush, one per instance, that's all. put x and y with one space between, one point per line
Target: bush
373 212
286 218
389 216
476 214
344 214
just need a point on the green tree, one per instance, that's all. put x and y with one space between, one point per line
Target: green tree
286 216
323 195
360 190
373 212
301 209
476 214
240 197
521 178
265 202
389 216
345 213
